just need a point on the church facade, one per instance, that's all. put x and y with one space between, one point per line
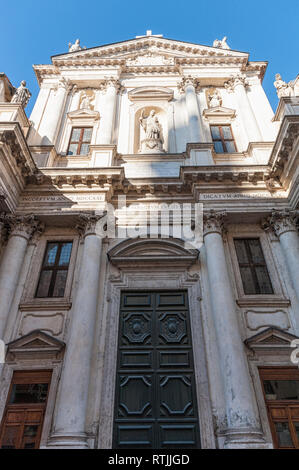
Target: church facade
149 293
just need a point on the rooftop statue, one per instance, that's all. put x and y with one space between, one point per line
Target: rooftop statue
221 43
282 88
22 95
76 46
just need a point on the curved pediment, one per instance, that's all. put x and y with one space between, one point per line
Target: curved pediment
150 93
152 251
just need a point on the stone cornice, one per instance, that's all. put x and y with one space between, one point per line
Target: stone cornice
283 147
73 176
11 135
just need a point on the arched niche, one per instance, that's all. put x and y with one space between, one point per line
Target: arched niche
147 98
139 133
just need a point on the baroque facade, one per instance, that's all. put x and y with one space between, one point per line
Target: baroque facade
144 341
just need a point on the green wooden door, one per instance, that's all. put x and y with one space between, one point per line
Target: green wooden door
155 403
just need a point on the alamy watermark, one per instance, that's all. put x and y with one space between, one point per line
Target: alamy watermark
183 221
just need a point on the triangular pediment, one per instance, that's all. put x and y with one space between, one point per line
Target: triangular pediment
219 111
272 338
84 113
35 345
149 50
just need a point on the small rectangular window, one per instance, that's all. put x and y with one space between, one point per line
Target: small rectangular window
79 141
252 265
54 270
223 139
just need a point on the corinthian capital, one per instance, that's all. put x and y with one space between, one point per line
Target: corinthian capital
87 224
24 226
281 221
110 82
186 81
235 80
213 222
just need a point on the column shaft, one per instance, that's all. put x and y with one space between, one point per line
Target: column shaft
193 113
108 119
69 429
242 421
12 261
53 114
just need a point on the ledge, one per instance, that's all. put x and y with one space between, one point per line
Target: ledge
263 301
45 304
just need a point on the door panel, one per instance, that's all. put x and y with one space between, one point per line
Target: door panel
155 390
24 414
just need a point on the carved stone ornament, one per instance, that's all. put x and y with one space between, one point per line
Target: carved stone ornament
187 81
22 95
213 222
150 59
281 221
24 226
110 82
63 84
87 224
235 80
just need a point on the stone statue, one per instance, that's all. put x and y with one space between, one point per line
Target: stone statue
221 44
215 99
85 101
76 46
22 95
282 88
153 142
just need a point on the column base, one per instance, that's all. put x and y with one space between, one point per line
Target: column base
68 441
245 439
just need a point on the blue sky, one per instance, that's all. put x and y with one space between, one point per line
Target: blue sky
32 31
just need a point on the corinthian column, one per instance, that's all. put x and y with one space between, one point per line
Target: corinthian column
189 85
284 225
112 87
69 427
21 230
243 426
238 83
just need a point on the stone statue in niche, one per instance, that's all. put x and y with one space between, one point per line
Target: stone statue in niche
22 95
153 141
214 99
282 88
221 43
76 46
86 100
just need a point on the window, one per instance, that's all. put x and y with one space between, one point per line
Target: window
252 265
79 141
223 139
281 392
54 270
25 409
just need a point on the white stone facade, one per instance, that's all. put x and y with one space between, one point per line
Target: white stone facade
48 195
